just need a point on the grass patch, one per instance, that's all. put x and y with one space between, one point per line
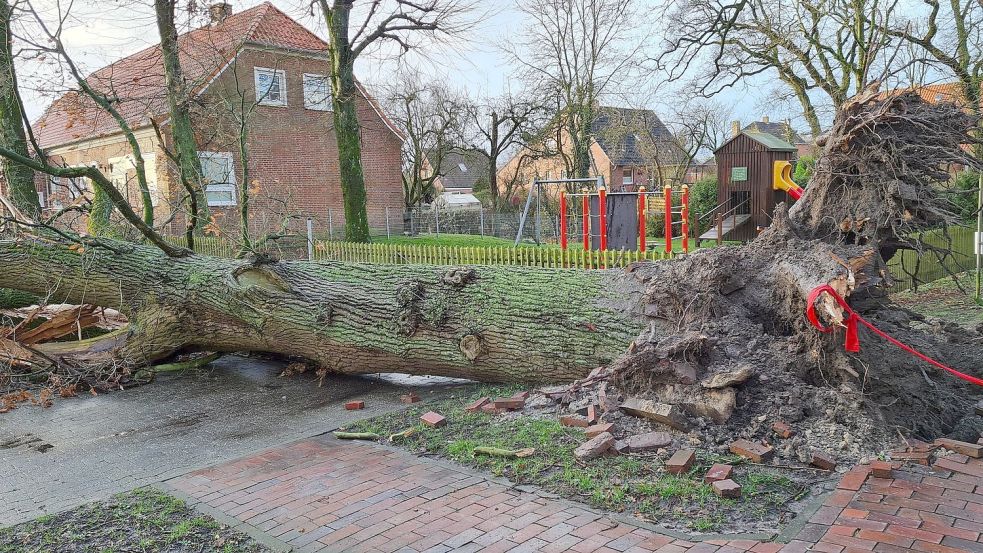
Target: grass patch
470 240
948 298
140 520
632 484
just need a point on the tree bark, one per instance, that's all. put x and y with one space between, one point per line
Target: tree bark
182 131
20 179
496 324
348 132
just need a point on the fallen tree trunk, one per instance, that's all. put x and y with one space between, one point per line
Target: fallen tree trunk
489 323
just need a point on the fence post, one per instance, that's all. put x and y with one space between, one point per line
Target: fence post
481 220
330 226
388 233
310 239
685 222
641 218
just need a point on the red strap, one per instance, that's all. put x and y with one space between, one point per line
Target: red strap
853 341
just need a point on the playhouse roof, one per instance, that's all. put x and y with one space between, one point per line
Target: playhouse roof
769 141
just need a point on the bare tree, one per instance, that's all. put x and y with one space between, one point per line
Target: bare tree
832 48
406 23
501 125
577 51
432 117
20 179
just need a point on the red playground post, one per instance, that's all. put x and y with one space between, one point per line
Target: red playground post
641 218
667 193
685 223
603 216
585 205
563 219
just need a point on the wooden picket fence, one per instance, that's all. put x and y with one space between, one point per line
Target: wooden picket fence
547 257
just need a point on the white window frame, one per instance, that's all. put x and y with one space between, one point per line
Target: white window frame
328 104
225 186
628 178
262 99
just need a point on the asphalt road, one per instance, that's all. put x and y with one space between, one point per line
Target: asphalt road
88 448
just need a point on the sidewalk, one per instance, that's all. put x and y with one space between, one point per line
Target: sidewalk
321 495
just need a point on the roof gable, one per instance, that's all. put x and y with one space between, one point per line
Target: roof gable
138 80
769 142
616 131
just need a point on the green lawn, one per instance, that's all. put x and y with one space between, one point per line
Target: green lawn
945 299
469 240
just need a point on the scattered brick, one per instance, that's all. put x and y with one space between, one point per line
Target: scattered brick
717 473
918 457
510 403
881 469
664 413
970 450
594 447
574 420
355 405
433 419
621 446
477 405
592 414
823 460
490 409
727 488
783 430
596 429
523 395
681 461
409 398
758 453
854 479
649 442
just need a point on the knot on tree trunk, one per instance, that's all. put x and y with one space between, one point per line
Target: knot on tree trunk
459 276
471 346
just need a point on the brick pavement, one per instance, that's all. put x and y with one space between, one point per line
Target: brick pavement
321 495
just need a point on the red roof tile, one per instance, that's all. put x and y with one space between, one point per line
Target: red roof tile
138 80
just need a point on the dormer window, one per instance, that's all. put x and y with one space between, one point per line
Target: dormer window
271 87
462 167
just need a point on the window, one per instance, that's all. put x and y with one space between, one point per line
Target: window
462 167
271 89
123 172
628 176
220 178
317 92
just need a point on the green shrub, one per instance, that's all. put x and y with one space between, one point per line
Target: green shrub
702 200
803 170
962 192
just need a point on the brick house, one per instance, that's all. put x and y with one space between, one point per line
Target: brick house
263 60
631 148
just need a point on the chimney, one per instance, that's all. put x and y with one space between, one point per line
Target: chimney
219 12
764 119
735 128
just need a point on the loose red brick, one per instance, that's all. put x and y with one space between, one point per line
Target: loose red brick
592 414
783 429
574 420
510 403
594 447
823 460
650 442
756 452
727 488
490 409
355 405
970 450
681 461
433 419
881 469
477 405
523 395
596 429
409 398
717 473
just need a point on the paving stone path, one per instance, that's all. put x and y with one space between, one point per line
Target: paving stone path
321 495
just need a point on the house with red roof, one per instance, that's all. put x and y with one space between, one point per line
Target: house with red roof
257 74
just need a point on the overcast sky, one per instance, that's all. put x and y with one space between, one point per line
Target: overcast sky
105 30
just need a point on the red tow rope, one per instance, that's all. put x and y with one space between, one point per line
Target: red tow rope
853 342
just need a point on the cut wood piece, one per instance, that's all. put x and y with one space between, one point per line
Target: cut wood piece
664 413
356 435
758 453
507 453
13 353
970 450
